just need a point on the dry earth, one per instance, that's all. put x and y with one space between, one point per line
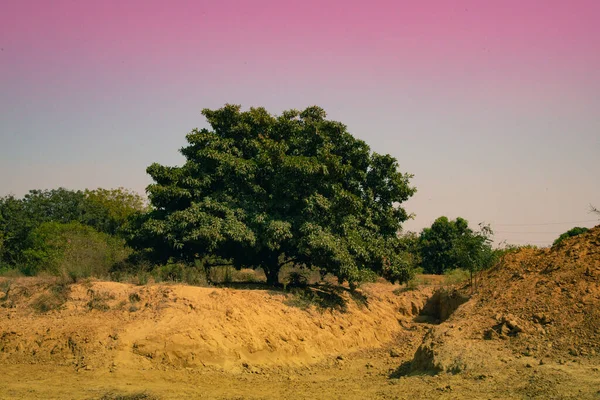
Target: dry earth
530 330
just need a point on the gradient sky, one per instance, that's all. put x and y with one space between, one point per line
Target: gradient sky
494 106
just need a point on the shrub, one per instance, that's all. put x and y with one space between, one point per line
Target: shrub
72 250
99 301
568 234
179 272
296 279
54 299
247 275
454 276
221 274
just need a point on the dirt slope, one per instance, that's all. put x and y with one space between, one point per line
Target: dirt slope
114 325
539 305
530 330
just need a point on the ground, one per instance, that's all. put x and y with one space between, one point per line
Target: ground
529 329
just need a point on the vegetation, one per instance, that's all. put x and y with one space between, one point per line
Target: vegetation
449 245
72 250
103 210
294 195
570 233
265 191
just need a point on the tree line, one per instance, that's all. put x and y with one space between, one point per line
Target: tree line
256 191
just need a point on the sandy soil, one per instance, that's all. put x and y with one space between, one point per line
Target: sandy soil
530 329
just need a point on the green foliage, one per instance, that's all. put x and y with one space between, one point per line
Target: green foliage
570 233
454 276
72 250
264 191
452 244
296 279
509 249
107 210
104 210
179 272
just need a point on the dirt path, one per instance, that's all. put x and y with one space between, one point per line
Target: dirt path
364 375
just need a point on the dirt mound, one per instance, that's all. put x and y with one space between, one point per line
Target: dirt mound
540 304
114 325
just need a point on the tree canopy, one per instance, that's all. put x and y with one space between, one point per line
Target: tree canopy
452 244
104 210
263 190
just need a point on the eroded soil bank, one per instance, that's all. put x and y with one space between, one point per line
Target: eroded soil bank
530 329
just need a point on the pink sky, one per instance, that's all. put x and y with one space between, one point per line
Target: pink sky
510 42
486 102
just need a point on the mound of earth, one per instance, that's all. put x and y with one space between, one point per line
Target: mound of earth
110 325
542 305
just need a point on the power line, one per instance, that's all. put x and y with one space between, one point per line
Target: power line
524 241
548 223
554 233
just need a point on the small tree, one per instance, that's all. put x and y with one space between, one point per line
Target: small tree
473 251
264 190
452 244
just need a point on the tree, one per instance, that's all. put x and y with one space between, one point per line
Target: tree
264 190
473 250
104 210
71 249
594 210
107 210
452 244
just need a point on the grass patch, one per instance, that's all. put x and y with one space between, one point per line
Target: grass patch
415 283
10 273
455 276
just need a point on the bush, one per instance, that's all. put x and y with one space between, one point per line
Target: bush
99 301
568 234
296 279
179 272
454 276
72 250
54 299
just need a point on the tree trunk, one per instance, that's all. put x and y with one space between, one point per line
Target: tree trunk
272 273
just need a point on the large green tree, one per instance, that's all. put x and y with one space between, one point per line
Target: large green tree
264 190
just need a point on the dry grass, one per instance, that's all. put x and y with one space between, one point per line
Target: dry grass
56 296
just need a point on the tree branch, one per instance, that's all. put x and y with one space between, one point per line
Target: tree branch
287 262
